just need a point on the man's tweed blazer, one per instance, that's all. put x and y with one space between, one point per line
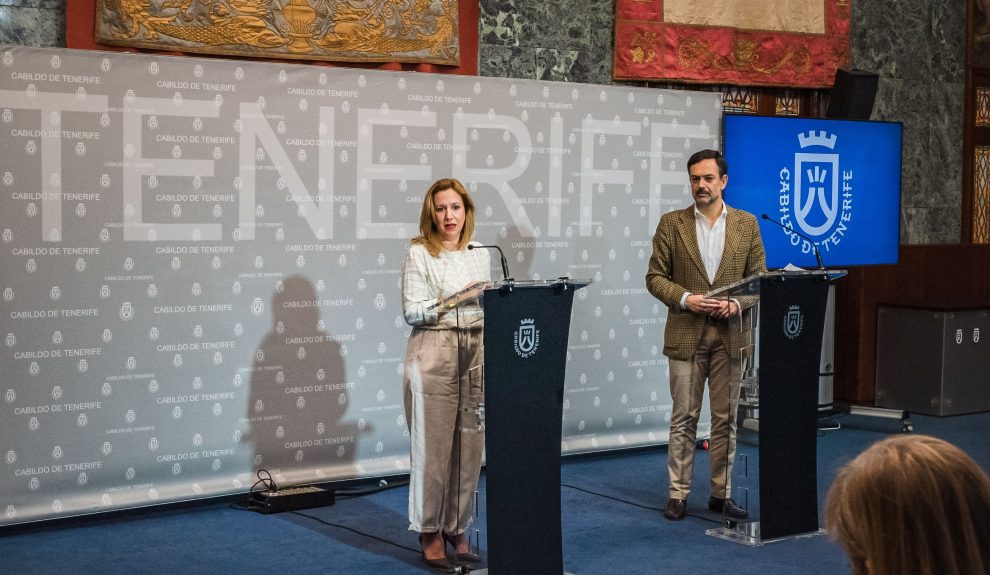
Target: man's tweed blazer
676 267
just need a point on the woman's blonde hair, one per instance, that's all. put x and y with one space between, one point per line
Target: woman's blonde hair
912 504
429 235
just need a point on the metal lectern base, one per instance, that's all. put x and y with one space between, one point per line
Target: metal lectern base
749 534
901 415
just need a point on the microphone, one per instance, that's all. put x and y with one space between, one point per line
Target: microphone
814 246
505 265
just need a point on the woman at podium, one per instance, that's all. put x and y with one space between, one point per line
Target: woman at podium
441 280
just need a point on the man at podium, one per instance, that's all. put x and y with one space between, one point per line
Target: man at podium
695 250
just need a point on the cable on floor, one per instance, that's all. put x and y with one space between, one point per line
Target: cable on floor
634 504
352 530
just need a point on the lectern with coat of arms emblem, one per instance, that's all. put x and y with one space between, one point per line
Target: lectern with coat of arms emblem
526 328
773 469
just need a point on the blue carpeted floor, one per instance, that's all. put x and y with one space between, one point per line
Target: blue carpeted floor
612 523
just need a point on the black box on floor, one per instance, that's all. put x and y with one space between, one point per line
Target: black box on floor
933 360
291 499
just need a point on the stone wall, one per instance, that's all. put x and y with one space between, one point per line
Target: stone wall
32 22
918 48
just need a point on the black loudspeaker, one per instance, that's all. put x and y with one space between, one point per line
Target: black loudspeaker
852 95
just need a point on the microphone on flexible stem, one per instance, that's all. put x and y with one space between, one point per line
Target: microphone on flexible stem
814 246
505 264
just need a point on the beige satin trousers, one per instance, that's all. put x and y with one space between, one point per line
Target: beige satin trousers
443 390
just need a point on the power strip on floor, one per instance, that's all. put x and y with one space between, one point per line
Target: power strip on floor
291 499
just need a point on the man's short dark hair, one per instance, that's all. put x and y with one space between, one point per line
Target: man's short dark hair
723 166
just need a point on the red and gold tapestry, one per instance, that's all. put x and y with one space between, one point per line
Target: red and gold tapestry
792 43
422 31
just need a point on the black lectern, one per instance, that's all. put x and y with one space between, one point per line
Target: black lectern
773 463
526 329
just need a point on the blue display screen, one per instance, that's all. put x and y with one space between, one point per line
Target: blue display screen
838 182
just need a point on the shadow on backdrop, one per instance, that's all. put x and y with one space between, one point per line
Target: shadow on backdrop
299 395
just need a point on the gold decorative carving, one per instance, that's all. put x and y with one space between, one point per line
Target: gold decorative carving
982 106
981 195
641 47
746 56
788 104
343 30
843 7
739 99
299 25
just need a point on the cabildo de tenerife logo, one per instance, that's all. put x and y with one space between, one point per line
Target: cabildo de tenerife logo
527 338
816 198
793 322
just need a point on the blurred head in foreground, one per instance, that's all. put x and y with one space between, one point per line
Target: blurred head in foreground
912 504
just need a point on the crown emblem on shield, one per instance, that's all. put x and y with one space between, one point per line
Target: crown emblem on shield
793 322
526 340
817 195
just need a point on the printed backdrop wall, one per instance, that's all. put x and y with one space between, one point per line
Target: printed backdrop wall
200 261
